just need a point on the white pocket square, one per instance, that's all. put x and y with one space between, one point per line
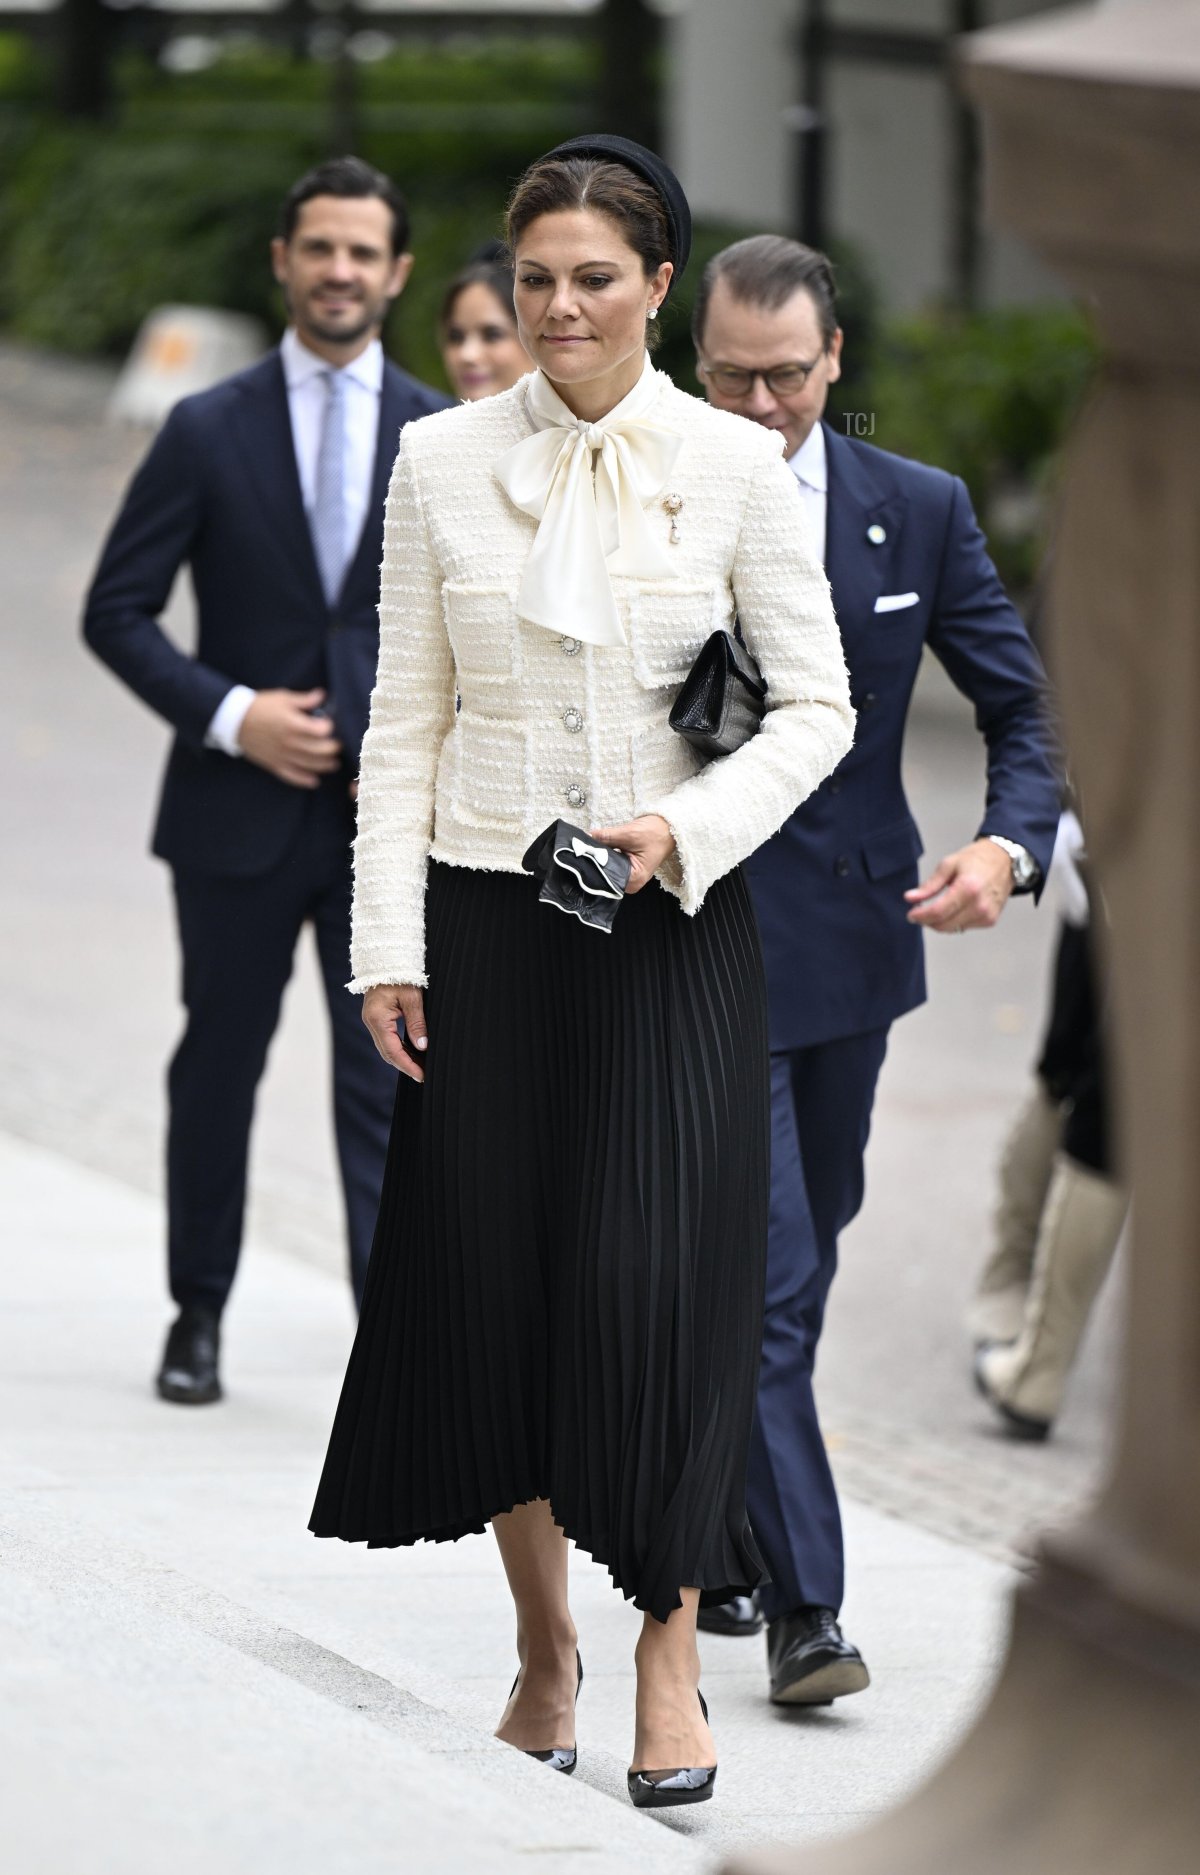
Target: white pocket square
895 601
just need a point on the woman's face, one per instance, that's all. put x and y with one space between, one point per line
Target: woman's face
582 295
480 348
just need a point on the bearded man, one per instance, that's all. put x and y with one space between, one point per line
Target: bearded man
270 487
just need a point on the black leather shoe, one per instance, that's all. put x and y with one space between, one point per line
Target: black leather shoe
658 1790
740 1616
562 1758
811 1662
188 1375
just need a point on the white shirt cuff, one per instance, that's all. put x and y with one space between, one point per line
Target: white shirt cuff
225 727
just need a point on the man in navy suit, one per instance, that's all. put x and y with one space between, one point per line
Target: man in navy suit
836 890
270 487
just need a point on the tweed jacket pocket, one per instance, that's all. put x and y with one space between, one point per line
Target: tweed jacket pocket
659 761
481 624
669 620
491 772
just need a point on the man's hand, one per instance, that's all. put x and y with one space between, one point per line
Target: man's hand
968 891
647 841
279 733
381 1007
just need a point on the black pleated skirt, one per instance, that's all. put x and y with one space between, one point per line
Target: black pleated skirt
565 1294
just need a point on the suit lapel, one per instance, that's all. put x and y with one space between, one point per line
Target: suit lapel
857 562
265 435
364 562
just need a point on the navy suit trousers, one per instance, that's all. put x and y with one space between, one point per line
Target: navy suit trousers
238 937
821 1100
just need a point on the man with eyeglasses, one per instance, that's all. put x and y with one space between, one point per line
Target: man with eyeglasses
836 889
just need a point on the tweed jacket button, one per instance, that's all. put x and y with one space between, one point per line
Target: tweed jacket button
576 795
570 646
573 720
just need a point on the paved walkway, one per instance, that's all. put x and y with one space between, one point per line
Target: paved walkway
192 1682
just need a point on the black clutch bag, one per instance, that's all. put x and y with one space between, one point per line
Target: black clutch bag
577 875
723 699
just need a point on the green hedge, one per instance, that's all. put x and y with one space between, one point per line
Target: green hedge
176 198
989 397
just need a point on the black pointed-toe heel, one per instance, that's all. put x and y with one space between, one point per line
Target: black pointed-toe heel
655 1790
562 1758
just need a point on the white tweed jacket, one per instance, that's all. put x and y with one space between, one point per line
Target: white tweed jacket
485 728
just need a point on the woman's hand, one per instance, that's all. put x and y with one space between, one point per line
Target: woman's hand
381 1007
647 840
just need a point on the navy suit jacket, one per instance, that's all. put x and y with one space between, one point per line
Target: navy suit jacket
220 490
829 887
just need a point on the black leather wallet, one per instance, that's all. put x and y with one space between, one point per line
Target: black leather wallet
723 699
577 875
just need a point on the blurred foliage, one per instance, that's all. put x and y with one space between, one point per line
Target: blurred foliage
22 72
987 396
98 230
174 200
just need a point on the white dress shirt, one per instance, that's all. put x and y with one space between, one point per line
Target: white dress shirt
810 469
307 397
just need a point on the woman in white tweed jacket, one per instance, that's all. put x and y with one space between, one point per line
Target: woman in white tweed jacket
561 1327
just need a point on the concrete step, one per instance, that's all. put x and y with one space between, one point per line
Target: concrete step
191 1665
157 1724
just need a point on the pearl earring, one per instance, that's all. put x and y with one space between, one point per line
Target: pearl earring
653 313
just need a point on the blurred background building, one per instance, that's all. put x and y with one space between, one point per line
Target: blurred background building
837 117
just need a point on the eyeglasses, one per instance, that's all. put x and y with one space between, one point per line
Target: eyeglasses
780 380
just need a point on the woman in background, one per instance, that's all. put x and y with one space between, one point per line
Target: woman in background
477 329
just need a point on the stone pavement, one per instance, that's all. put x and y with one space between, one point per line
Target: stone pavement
135 1538
195 1683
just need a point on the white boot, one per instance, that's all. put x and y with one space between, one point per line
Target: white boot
1081 1224
997 1308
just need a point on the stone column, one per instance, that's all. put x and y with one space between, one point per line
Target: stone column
1087 1761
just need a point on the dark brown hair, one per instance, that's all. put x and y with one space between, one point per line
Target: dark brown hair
764 271
633 204
347 176
495 275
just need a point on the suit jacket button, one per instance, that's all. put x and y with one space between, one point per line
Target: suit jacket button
869 701
835 786
841 866
336 624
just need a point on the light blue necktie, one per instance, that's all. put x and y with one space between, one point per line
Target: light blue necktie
329 499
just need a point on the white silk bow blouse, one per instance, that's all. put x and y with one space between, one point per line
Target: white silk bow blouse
586 485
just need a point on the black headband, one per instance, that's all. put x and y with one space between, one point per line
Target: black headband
652 169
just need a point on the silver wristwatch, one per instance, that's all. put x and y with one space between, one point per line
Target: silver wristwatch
1025 869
